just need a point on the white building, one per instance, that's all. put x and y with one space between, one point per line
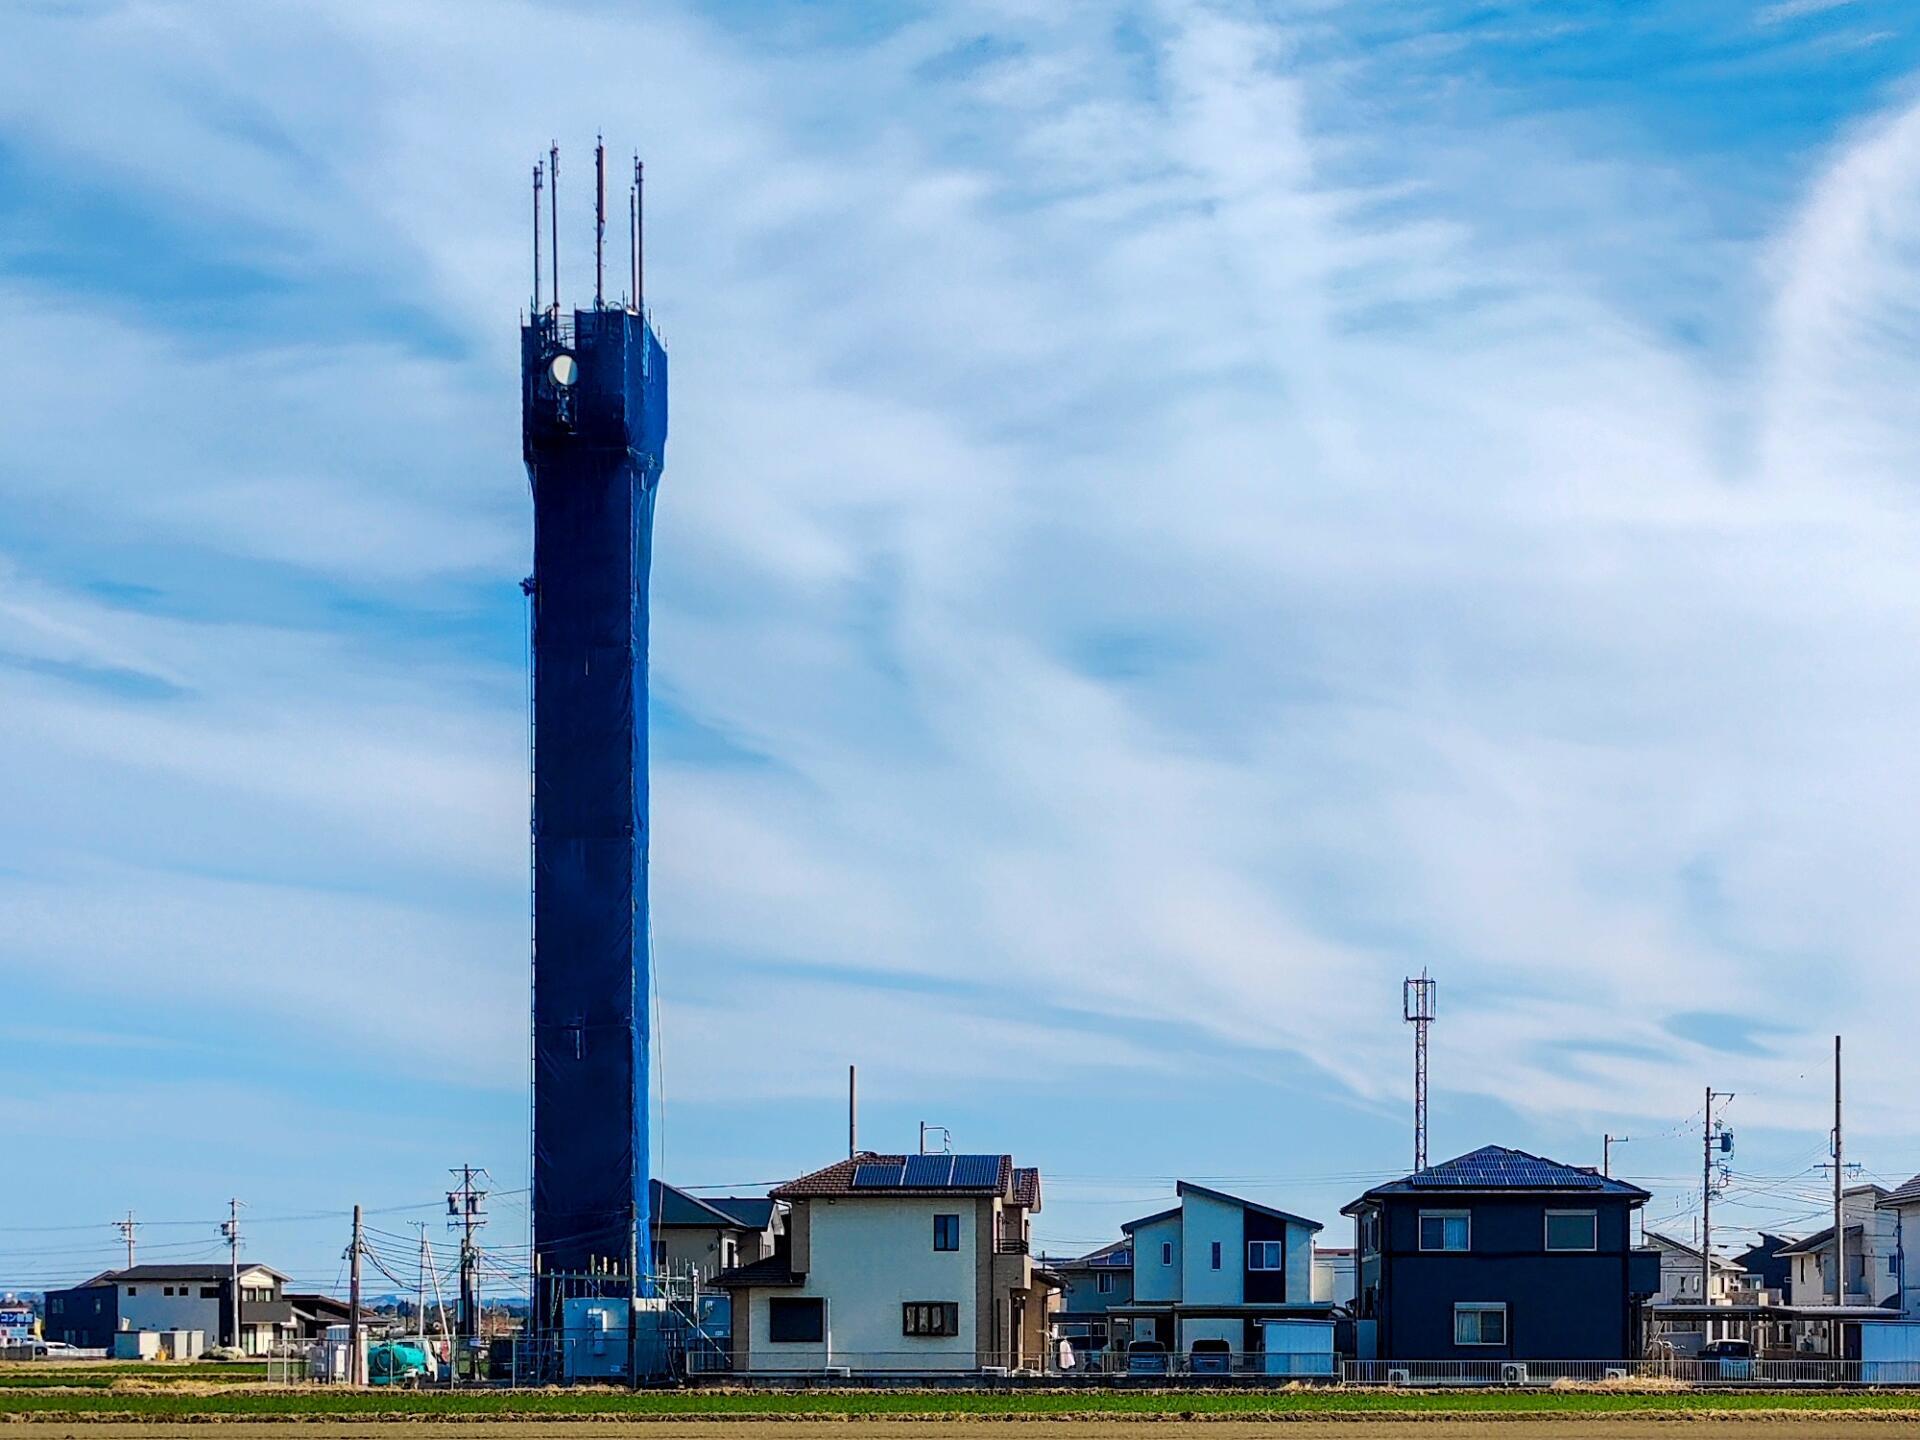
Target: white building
1872 1253
1207 1272
188 1299
1903 1205
915 1264
1680 1273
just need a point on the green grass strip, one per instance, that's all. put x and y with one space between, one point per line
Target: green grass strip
321 1401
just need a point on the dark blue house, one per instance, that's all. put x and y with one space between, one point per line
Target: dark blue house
1500 1255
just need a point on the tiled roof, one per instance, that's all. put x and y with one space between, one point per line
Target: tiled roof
1907 1194
774 1270
208 1273
674 1206
1026 1187
750 1212
1495 1167
1115 1255
1817 1241
869 1174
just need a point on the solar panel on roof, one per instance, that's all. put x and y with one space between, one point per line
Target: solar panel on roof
1504 1172
877 1177
929 1171
972 1172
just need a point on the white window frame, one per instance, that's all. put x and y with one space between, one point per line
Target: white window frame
1259 1247
1483 1307
1546 1232
1420 1231
1103 1282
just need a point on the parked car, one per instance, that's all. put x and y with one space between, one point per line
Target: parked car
1727 1360
1210 1357
1146 1357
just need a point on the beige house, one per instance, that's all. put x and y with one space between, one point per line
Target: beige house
699 1236
914 1264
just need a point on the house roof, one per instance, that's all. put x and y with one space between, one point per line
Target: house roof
673 1206
1115 1255
774 1270
208 1272
1907 1194
872 1175
1817 1241
1026 1187
1154 1219
1495 1168
1655 1237
1187 1187
318 1305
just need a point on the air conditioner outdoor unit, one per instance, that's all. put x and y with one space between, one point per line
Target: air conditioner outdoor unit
1001 1370
1616 1372
1399 1377
839 1372
1512 1374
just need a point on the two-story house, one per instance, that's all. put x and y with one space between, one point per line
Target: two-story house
1212 1270
1903 1204
187 1299
1680 1273
1872 1254
1499 1255
1091 1287
914 1264
701 1236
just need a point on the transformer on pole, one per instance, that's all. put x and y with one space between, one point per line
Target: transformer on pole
1417 1004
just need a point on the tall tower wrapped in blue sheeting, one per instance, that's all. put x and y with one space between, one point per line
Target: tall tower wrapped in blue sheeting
594 409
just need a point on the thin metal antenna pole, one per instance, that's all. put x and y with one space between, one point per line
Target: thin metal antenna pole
553 214
599 220
1418 1008
639 235
537 173
853 1113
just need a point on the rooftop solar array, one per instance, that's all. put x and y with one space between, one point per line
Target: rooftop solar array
877 1177
1504 1170
974 1172
932 1172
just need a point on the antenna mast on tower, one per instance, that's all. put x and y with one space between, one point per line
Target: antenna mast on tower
1417 1001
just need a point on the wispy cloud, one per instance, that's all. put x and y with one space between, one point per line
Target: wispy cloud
1172 523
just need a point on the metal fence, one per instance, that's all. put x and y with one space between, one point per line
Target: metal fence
1683 1370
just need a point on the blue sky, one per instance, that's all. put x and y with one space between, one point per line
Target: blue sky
1179 515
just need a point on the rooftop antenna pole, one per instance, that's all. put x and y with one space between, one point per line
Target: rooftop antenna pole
639 233
553 212
599 218
537 181
1417 1005
853 1114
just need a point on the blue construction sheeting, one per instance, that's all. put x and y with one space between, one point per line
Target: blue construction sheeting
594 409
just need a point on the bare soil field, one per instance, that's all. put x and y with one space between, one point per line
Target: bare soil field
1761 1426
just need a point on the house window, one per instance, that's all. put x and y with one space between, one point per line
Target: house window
1443 1230
209 1292
1370 1233
1104 1283
55 1305
133 1289
793 1321
930 1317
1166 1252
1265 1255
1479 1324
1573 1230
1216 1254
946 1232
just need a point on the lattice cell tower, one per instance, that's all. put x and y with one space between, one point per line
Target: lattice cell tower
1417 1002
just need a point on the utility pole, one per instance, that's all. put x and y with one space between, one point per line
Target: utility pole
420 1291
1607 1142
354 1377
230 1228
1707 1134
127 1228
1418 1005
466 1211
1839 1209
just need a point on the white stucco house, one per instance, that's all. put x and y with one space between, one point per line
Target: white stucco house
1872 1253
1903 1205
906 1264
1680 1273
1210 1270
182 1299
